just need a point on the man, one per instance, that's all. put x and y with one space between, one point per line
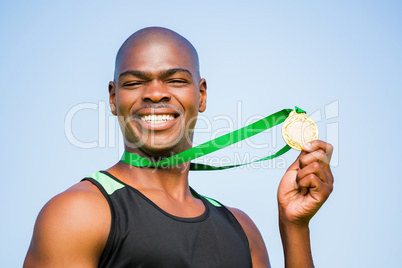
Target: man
149 217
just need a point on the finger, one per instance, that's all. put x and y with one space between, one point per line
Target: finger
319 144
316 156
311 183
311 157
311 167
316 169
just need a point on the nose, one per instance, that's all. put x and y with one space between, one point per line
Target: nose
156 92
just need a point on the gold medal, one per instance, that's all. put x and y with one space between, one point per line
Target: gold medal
299 129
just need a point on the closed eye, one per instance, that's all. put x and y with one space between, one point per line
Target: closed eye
133 84
178 82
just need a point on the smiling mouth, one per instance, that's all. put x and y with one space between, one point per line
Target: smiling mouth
157 118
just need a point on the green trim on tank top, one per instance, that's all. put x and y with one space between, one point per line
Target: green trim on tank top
107 183
210 200
110 186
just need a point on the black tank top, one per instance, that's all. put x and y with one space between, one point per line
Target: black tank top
143 235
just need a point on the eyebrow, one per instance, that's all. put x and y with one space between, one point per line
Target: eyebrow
173 71
148 76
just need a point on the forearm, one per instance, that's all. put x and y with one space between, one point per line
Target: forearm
296 245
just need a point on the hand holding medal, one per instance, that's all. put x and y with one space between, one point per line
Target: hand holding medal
308 181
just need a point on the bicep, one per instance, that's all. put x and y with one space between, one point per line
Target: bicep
67 233
258 251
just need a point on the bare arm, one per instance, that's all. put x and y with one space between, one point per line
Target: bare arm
71 230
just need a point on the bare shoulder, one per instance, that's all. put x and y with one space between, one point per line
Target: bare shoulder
71 229
258 250
248 225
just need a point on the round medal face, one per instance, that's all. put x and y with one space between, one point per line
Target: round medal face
299 129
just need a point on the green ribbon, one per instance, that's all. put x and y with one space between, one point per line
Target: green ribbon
216 144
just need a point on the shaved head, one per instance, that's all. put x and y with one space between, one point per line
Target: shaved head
157 73
156 35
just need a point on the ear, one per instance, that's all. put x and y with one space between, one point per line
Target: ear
202 86
112 97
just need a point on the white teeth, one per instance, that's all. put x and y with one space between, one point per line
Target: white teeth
157 118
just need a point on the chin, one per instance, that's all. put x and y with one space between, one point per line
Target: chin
164 148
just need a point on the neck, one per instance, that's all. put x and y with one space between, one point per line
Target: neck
172 180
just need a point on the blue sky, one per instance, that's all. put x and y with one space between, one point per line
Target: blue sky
339 60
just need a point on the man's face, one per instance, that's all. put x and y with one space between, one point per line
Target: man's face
158 94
